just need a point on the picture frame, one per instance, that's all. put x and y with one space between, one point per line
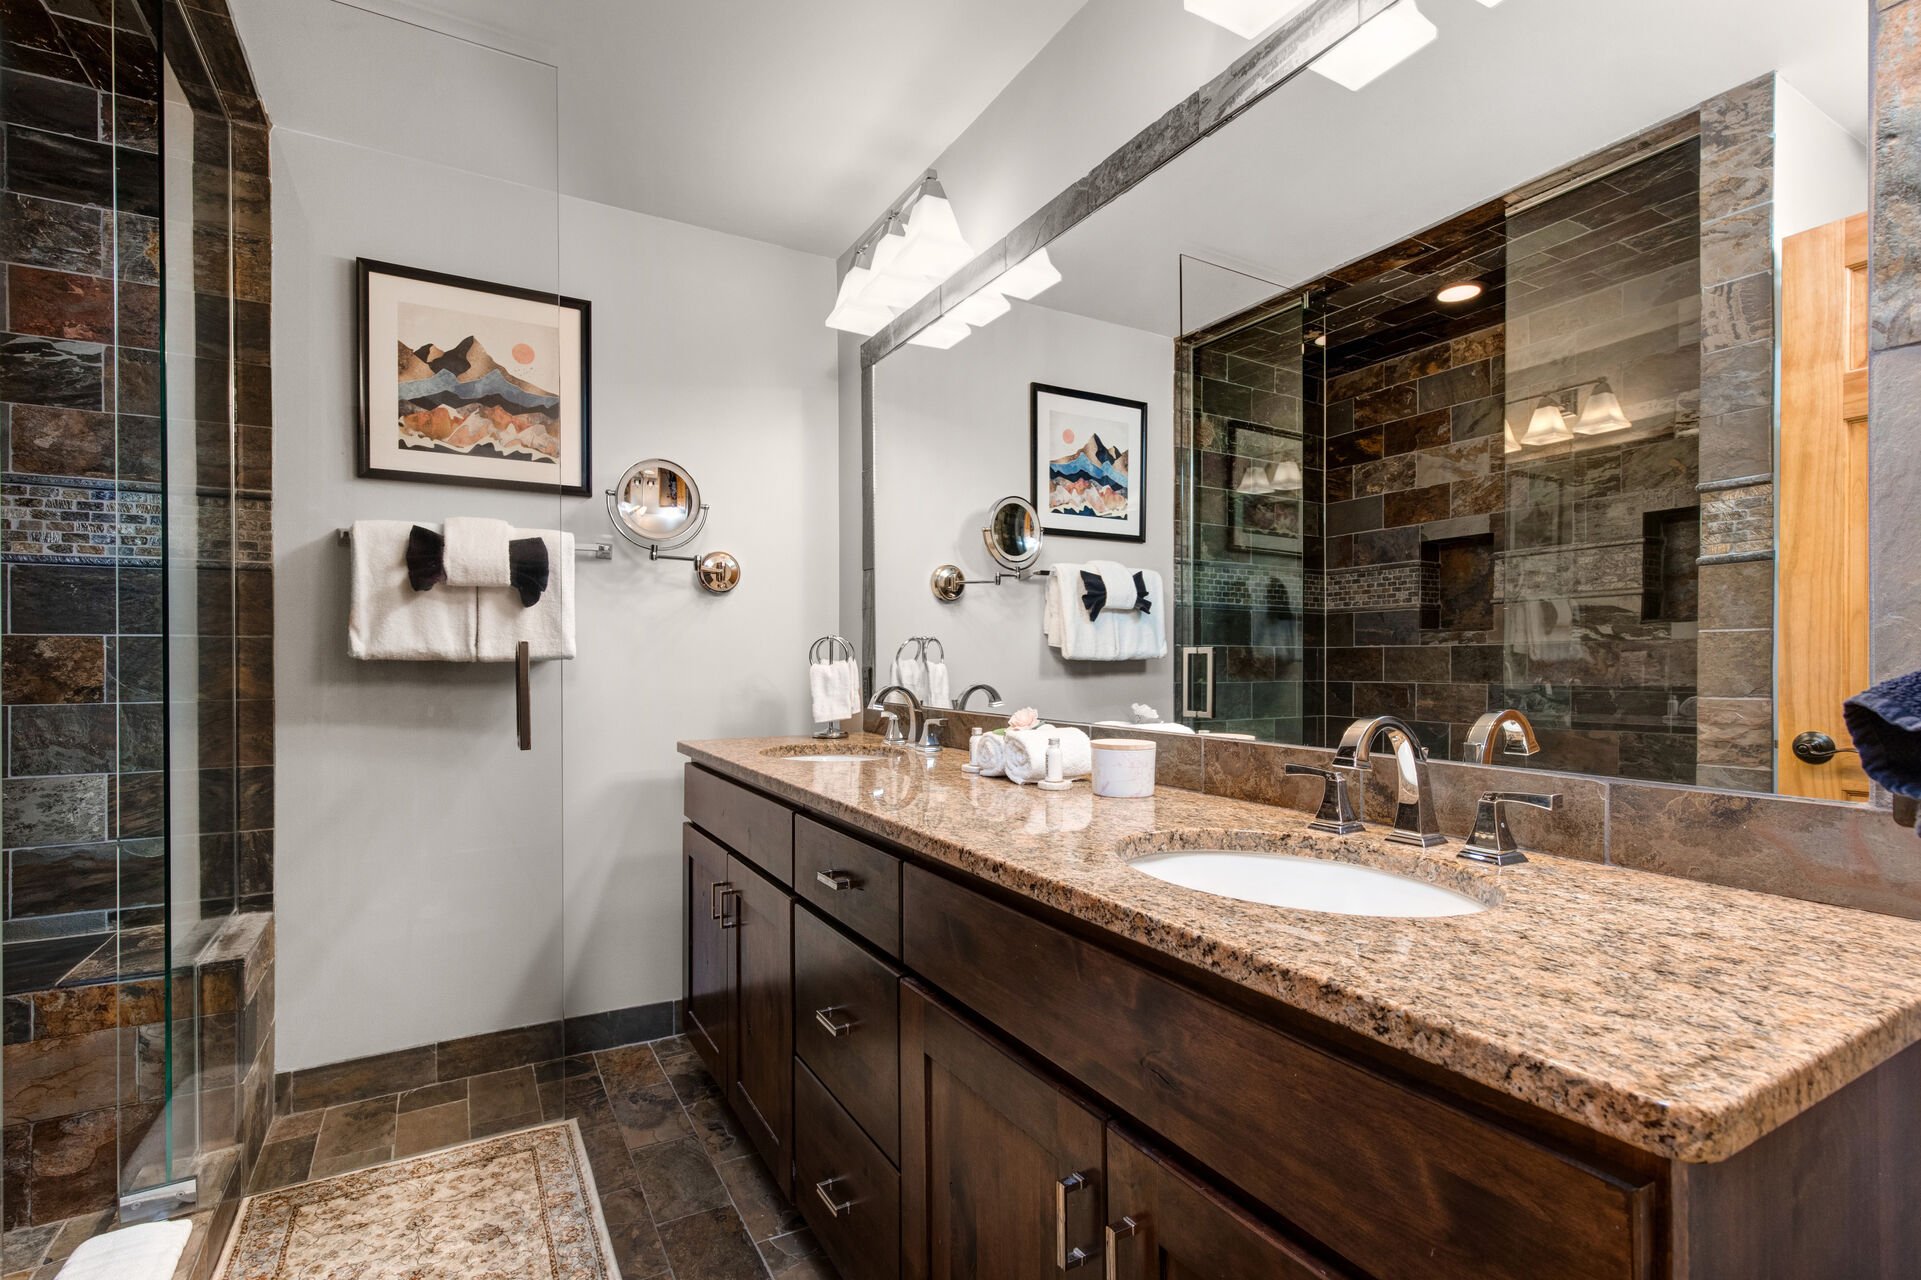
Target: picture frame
1088 464
471 382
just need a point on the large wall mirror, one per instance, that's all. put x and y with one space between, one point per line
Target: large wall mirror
1474 389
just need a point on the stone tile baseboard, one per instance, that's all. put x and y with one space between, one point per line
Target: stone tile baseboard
377 1075
1846 855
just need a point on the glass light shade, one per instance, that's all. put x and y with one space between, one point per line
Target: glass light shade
1508 443
1245 18
1028 278
886 286
1382 43
1285 475
941 334
935 247
1547 426
1602 413
983 306
853 315
1254 480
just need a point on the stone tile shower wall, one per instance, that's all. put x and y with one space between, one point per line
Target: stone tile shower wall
84 681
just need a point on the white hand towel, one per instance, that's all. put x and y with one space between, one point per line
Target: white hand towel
548 624
850 688
476 552
836 689
988 753
388 619
1027 753
911 675
939 692
1115 637
1118 579
1055 610
150 1251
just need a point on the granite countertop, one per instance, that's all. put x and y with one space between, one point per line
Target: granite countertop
1684 1018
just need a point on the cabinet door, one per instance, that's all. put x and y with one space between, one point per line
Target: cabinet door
762 1089
1164 1224
1001 1170
708 1011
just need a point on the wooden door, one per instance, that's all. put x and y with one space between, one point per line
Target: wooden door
1821 652
763 1085
1001 1170
1164 1224
708 1010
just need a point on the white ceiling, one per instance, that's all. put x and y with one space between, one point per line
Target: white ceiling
1315 176
791 122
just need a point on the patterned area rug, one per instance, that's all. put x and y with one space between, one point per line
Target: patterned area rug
520 1206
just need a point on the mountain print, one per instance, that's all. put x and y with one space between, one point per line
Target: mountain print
461 401
1092 481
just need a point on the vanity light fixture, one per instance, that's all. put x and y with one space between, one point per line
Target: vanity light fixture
935 248
1602 413
941 334
982 307
1245 18
1254 480
1028 278
1463 291
1285 476
852 313
1548 425
1379 45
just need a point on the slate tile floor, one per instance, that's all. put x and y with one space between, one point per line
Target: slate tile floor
684 1195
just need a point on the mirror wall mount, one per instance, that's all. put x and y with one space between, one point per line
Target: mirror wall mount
1012 537
656 504
950 581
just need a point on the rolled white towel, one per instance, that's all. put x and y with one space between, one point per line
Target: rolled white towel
989 754
1027 753
475 552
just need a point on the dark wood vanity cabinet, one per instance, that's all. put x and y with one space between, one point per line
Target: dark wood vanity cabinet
1002 1170
707 1013
762 1087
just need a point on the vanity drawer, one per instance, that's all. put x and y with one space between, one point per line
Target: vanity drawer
846 1189
1397 1181
847 1026
850 881
758 829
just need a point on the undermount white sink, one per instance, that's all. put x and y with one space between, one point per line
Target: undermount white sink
846 758
1306 884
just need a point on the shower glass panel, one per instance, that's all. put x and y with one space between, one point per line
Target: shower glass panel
1248 518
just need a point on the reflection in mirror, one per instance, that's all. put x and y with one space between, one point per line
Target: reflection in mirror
1013 534
1505 436
657 502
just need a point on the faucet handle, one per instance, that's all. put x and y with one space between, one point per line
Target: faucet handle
1336 815
893 735
1491 841
930 740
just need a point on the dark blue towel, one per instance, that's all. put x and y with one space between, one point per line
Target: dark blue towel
1885 723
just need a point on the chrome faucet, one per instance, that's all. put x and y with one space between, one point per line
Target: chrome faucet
993 696
1414 813
916 715
1514 730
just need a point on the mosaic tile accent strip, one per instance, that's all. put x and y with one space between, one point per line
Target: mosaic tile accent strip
93 523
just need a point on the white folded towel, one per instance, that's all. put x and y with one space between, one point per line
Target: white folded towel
475 552
1118 579
547 624
939 692
149 1251
388 620
1115 636
988 753
1026 753
836 689
911 675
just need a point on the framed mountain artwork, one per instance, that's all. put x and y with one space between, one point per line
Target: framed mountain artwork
1089 463
470 383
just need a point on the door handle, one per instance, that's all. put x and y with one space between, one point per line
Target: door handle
714 891
1815 747
1204 710
835 880
1067 1257
834 1207
1115 1232
826 1020
730 919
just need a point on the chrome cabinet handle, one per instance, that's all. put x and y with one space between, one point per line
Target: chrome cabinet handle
1067 1258
835 880
834 1208
730 919
713 897
1115 1232
835 1029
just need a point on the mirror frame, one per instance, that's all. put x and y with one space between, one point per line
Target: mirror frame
1013 564
696 516
1894 302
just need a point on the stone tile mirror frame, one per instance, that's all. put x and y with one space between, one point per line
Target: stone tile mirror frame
1851 855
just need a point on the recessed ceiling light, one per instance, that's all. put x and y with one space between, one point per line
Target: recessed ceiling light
1465 291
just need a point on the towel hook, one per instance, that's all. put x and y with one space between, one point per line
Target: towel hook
935 641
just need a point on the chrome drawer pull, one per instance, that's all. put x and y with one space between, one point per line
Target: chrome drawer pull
835 880
1067 1259
834 1208
835 1029
1115 1233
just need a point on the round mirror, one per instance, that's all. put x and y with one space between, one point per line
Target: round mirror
658 503
1013 534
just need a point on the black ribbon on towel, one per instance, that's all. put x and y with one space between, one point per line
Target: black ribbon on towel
527 565
1094 595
